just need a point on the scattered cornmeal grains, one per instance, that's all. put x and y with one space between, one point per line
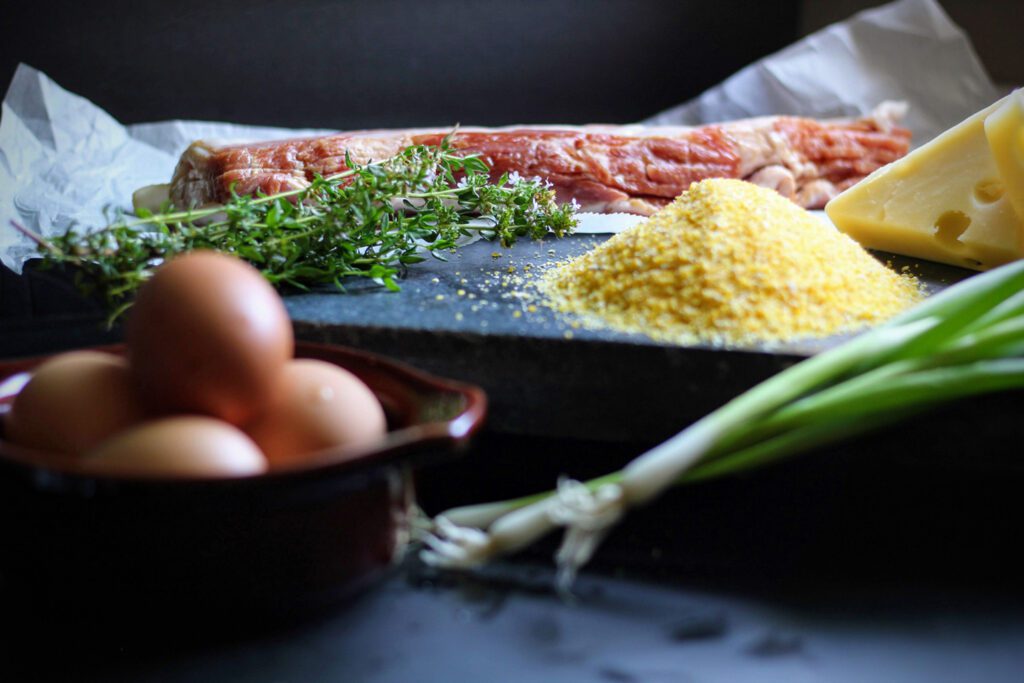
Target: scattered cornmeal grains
729 263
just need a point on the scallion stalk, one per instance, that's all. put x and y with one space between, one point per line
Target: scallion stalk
965 341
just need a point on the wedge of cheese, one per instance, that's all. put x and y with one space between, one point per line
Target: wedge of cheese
947 200
1004 129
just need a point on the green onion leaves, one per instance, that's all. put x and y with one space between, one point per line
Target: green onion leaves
965 341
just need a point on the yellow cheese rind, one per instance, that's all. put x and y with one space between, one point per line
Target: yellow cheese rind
945 202
1004 129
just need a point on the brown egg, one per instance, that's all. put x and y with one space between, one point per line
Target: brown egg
318 405
74 401
186 446
208 334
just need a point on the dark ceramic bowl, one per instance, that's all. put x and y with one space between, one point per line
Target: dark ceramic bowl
278 542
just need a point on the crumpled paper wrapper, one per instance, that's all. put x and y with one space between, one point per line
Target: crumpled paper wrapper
64 161
908 51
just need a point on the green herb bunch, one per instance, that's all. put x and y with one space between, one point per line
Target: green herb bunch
369 221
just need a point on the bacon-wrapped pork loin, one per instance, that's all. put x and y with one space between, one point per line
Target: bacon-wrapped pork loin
634 168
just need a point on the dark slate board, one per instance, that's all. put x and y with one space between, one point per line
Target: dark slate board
467 319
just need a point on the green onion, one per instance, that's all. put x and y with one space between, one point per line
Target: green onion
964 341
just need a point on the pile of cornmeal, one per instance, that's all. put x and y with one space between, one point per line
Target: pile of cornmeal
731 263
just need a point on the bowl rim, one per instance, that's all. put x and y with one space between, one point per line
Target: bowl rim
406 444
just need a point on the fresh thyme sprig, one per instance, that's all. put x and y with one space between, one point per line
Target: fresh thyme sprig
370 221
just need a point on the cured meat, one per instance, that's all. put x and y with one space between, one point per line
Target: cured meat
634 169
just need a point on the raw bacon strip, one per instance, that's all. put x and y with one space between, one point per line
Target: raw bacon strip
606 169
603 171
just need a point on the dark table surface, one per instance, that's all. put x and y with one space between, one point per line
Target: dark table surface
841 566
508 626
891 557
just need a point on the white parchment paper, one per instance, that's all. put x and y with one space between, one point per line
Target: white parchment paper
65 161
908 50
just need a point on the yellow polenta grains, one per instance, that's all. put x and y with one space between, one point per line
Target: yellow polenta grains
729 262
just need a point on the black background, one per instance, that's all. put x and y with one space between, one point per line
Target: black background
366 63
